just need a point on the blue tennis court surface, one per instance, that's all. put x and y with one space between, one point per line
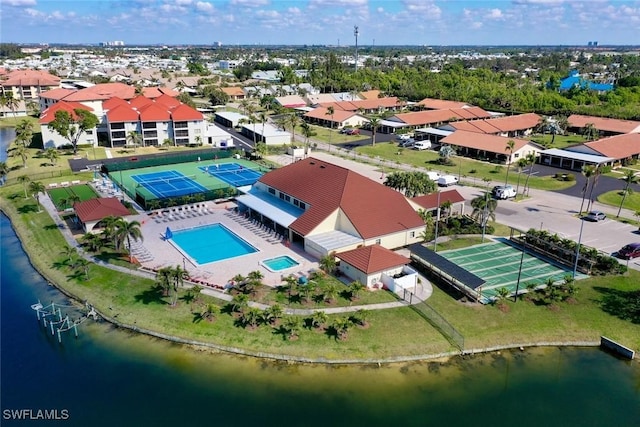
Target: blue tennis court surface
233 173
168 184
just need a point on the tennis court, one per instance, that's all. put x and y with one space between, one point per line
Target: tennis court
168 184
233 173
498 263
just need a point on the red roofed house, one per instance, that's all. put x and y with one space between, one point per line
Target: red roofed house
338 119
490 147
91 212
430 202
434 118
441 104
509 126
375 266
28 84
52 139
327 208
619 148
606 126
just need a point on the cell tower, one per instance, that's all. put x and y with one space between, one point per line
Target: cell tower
355 33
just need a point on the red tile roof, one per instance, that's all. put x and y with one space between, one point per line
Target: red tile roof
184 112
56 94
97 209
49 114
166 100
140 102
156 92
500 125
430 201
420 118
370 94
338 116
442 104
233 90
372 259
604 123
483 141
102 91
373 209
30 78
365 104
122 113
617 147
113 102
154 113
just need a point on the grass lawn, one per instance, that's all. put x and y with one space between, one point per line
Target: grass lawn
471 171
58 195
139 301
560 141
614 198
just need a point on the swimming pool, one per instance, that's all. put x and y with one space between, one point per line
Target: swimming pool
279 263
210 243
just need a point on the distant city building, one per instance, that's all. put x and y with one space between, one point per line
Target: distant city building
113 43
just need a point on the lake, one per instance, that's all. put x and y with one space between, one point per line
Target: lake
7 135
109 377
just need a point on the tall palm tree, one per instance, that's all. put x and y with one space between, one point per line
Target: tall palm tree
70 253
307 132
13 104
83 265
179 275
109 229
374 122
4 171
92 241
126 231
51 154
36 187
330 112
590 132
510 146
531 160
24 132
628 178
134 139
293 121
594 182
484 207
22 152
164 278
522 163
264 118
24 180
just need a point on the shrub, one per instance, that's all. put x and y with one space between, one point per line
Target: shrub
605 169
569 177
472 171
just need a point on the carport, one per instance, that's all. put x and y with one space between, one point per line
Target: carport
268 210
572 160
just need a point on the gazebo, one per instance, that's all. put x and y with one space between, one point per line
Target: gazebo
91 212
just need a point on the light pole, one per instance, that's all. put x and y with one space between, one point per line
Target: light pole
484 214
435 241
355 33
524 249
575 265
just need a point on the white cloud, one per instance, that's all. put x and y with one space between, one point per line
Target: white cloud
380 10
249 3
495 14
337 3
536 2
19 3
205 7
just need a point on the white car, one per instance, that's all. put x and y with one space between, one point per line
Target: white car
447 180
506 192
422 145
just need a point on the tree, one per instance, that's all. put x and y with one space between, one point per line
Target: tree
355 288
590 132
217 96
374 122
330 112
179 275
24 180
307 132
272 314
445 154
293 121
92 241
341 326
328 263
264 118
330 292
410 183
210 312
522 163
484 208
83 265
71 126
360 317
51 154
251 317
70 253
126 231
239 302
510 146
594 182
22 152
588 171
163 278
134 139
10 102
24 132
292 326
628 178
261 149
319 319
36 187
531 160
4 171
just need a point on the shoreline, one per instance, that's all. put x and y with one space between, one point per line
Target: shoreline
291 358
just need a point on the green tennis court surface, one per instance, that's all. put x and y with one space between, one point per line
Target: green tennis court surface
498 264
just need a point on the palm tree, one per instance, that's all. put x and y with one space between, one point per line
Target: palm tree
272 314
510 146
291 283
293 121
484 208
374 122
319 319
36 187
52 155
264 118
251 317
22 152
83 265
92 241
588 172
330 112
127 231
12 103
330 292
4 171
210 312
109 229
522 163
594 182
134 139
355 288
179 275
628 178
590 132
163 278
239 302
24 180
292 325
24 132
342 325
70 253
328 263
308 132
360 317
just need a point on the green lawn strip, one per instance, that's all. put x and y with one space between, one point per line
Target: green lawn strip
471 171
613 198
134 300
559 141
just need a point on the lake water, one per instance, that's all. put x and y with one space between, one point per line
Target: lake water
7 135
108 377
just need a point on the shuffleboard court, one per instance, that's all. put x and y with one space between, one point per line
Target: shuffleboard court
500 264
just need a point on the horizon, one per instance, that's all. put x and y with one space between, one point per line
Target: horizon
325 23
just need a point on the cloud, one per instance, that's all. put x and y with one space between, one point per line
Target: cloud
536 2
205 7
19 3
337 3
495 14
249 3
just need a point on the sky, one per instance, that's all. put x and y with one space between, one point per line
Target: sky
322 22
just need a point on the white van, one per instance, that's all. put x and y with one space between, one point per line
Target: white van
447 180
422 145
433 176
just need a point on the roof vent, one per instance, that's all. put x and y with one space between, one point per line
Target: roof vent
322 166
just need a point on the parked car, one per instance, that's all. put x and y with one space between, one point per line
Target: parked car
422 145
447 180
353 131
345 130
433 176
403 137
505 192
407 143
632 250
595 216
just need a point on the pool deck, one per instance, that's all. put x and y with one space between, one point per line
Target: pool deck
161 253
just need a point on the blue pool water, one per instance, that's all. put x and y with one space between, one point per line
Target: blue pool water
211 243
280 263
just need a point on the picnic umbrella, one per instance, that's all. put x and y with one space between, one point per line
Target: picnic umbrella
168 234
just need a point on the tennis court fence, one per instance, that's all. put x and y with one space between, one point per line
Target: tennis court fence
436 320
153 202
146 161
